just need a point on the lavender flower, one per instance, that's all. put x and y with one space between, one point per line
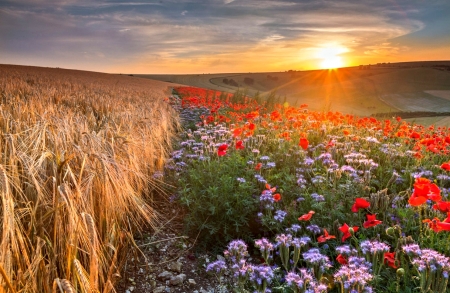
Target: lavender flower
217 267
280 215
314 229
265 246
294 228
373 247
283 243
261 276
266 198
318 261
412 249
237 250
435 266
355 275
299 282
317 197
241 180
374 252
346 250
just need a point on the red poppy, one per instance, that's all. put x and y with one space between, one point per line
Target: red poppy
345 230
432 224
258 166
325 236
222 151
237 132
446 166
304 143
251 126
389 259
443 206
270 188
443 226
424 190
360 203
239 145
277 197
371 221
330 144
306 217
341 259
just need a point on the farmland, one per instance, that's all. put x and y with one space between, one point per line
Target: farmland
78 151
87 158
356 90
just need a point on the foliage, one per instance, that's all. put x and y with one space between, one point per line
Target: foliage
373 186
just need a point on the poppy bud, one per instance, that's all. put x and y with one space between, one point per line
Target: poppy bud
390 231
400 272
351 231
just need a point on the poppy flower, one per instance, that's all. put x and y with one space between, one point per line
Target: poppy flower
258 166
222 151
341 259
237 132
277 197
446 166
389 259
303 143
345 229
443 206
424 190
360 203
306 217
325 236
270 188
443 226
371 221
432 224
239 145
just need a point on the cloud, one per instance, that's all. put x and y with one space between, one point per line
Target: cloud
214 32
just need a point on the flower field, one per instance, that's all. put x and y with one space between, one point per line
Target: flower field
303 201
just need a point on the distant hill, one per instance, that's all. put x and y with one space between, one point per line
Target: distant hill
361 90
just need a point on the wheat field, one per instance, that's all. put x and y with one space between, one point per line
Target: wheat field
78 151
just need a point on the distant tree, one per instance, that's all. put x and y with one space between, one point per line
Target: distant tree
249 80
225 81
232 82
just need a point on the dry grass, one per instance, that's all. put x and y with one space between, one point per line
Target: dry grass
77 155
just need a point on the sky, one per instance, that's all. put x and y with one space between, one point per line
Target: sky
218 36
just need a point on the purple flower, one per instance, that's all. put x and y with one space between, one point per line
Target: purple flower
280 215
355 275
237 250
261 273
294 228
412 249
283 239
317 197
346 250
217 267
318 261
299 281
314 229
373 247
299 242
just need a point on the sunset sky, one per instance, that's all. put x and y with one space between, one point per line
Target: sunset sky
201 36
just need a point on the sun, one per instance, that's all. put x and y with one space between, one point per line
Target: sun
330 56
332 62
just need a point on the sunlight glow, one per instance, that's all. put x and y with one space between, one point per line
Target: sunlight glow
330 56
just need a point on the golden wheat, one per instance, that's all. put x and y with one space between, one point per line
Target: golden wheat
77 155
